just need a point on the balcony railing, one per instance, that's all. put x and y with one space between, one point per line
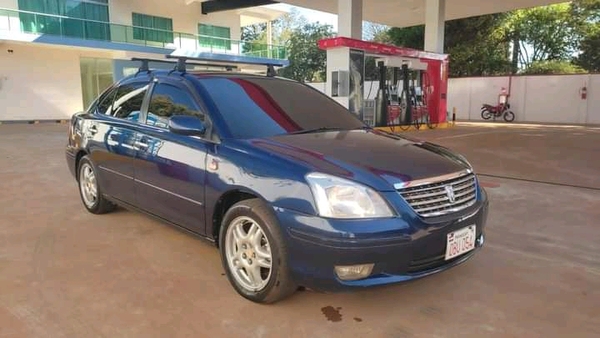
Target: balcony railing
24 22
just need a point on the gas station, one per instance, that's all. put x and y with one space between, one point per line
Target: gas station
422 99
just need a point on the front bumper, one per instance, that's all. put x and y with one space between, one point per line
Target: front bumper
402 249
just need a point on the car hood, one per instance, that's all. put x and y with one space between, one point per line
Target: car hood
372 157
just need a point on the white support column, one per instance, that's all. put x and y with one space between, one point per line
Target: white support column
350 18
270 39
435 12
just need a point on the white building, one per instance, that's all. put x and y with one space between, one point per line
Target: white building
56 56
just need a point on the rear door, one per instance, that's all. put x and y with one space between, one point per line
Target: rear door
170 169
113 133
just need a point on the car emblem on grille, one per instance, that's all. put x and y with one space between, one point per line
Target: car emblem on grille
450 193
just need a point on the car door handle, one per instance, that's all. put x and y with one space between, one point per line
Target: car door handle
141 145
93 129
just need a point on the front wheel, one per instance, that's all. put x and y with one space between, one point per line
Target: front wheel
254 254
509 116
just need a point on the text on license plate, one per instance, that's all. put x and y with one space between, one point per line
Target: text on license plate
460 241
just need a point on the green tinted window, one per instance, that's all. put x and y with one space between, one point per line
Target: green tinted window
156 28
214 37
73 18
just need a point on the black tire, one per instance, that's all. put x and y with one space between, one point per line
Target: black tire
100 205
279 284
486 114
509 116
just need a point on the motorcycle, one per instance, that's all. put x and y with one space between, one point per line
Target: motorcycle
501 110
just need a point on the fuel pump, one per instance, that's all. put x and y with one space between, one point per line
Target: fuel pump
429 70
400 90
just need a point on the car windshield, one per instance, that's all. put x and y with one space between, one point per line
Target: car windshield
254 107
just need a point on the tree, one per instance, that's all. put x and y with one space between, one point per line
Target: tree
410 37
254 37
544 33
589 47
589 58
477 45
550 67
307 61
375 32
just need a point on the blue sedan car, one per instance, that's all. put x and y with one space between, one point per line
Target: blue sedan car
294 190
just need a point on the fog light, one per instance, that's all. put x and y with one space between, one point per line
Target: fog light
354 272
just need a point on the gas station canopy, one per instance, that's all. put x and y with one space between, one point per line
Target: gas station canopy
405 13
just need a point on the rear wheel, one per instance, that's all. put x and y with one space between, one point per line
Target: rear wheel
89 189
509 116
486 114
254 254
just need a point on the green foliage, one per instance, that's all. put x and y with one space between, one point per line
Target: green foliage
590 51
549 67
482 45
307 60
476 45
544 33
410 37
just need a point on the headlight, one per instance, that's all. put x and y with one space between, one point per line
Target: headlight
340 198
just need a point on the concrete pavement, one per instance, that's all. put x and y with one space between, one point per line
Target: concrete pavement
67 273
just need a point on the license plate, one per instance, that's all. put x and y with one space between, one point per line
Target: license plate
460 241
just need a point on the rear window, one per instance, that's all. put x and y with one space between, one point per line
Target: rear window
263 107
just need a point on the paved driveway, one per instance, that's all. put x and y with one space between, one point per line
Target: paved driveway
67 273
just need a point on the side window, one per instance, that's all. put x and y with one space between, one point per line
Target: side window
167 101
127 101
105 102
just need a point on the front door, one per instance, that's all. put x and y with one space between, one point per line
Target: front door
170 169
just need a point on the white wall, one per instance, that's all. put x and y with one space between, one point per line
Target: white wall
546 99
10 4
185 17
550 99
34 86
593 116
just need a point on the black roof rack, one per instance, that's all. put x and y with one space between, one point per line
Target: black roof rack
182 60
179 64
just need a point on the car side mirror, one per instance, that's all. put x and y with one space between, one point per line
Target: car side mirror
187 125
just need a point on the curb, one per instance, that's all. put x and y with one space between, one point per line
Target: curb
34 121
397 129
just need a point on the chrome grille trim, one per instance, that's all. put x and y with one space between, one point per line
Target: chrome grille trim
429 197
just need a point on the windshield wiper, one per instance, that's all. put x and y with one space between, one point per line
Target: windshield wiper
316 130
323 129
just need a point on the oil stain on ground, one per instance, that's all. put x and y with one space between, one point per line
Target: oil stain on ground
332 314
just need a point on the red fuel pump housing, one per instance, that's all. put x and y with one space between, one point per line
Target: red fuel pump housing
437 68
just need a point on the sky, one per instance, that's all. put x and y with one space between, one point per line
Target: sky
309 14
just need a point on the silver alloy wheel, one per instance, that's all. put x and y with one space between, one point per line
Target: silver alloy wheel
248 254
88 185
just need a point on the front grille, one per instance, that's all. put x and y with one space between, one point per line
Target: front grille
433 198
